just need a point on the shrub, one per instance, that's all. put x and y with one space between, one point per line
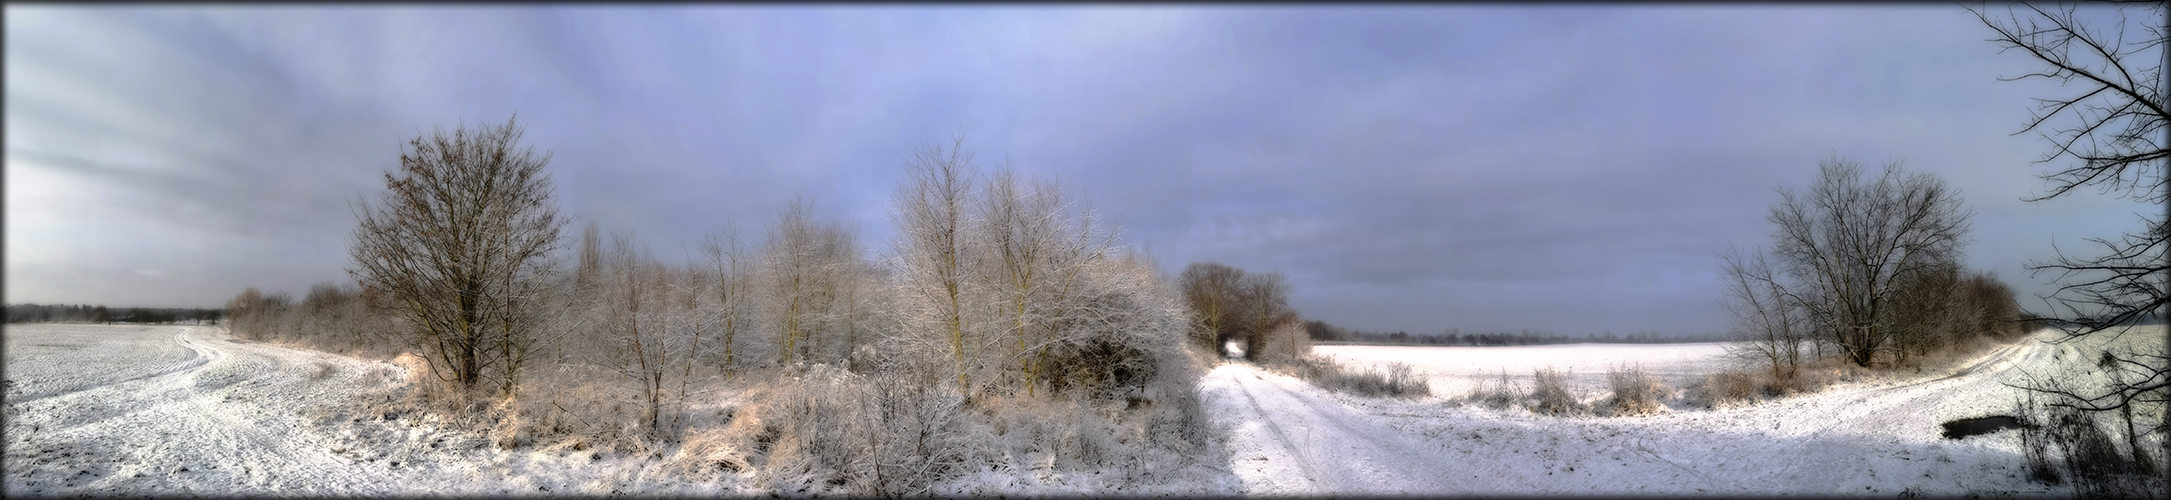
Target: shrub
1550 392
1394 379
832 431
2035 444
1729 388
1635 392
2063 443
1497 395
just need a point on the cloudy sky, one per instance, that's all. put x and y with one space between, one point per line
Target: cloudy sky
1576 169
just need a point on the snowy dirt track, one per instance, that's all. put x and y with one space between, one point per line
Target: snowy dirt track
1870 437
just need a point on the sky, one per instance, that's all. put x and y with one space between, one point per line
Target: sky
1566 168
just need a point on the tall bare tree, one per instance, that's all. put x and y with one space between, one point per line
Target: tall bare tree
1766 315
1263 299
1849 240
1210 289
1232 305
933 252
2107 134
1040 247
813 274
591 256
645 329
462 242
728 275
1930 311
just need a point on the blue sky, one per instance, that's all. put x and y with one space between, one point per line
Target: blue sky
1576 169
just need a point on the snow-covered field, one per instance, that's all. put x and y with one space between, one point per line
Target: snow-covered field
1874 438
136 410
1458 370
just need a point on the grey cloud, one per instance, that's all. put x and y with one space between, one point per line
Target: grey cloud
1410 167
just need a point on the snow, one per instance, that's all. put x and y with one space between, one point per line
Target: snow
132 410
125 410
1459 370
1874 438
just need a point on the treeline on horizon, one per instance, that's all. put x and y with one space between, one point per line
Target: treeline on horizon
78 313
1321 331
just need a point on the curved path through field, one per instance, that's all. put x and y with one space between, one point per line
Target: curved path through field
1865 438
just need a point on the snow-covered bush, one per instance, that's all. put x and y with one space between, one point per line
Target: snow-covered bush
1635 391
1726 389
1497 394
1549 394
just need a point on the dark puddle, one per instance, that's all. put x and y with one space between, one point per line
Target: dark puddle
1982 425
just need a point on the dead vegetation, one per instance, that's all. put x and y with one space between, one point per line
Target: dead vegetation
1393 380
1549 394
1497 394
1635 391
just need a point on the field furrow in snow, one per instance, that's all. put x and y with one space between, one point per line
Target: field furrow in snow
153 410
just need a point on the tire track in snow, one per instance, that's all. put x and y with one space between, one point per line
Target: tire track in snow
1874 412
1358 457
1281 437
197 358
230 422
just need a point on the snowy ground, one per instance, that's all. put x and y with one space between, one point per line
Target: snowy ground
125 410
1865 438
135 410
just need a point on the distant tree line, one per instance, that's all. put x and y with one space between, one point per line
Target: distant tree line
58 313
1321 331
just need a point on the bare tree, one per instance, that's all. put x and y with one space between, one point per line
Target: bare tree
252 314
813 274
2109 131
790 268
933 252
1230 304
1929 312
462 243
841 274
1041 251
729 281
591 257
1769 319
646 328
1263 299
1022 224
1996 310
1848 241
1209 288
